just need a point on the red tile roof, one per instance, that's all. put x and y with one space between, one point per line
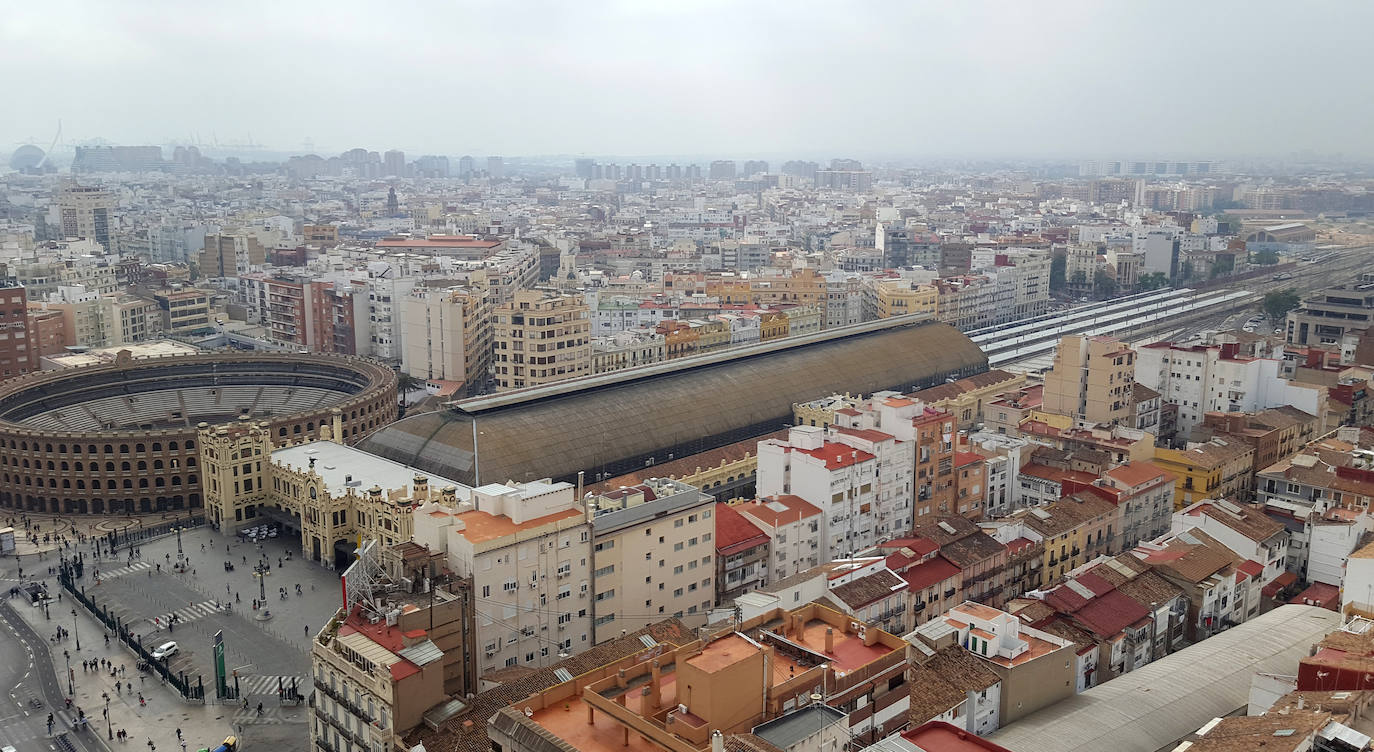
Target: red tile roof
837 456
929 573
1108 614
867 434
1319 594
966 458
734 531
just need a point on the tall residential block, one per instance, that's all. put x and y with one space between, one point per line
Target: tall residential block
86 212
1092 380
446 335
653 556
541 337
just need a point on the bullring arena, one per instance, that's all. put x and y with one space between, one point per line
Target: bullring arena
122 438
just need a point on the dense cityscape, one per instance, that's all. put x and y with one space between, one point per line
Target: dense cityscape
686 448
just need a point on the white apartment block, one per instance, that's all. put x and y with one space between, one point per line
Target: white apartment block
839 479
793 526
527 549
1202 379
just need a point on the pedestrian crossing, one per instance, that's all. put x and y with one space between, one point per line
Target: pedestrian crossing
134 568
271 714
266 684
190 613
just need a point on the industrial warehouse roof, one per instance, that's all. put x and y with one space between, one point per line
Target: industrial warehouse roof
611 425
1154 706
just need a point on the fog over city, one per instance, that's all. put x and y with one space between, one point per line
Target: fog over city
1062 79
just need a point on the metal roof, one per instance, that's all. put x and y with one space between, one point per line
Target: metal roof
1155 705
610 427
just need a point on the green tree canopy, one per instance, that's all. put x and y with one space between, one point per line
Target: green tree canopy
1277 303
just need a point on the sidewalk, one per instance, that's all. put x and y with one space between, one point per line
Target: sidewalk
201 725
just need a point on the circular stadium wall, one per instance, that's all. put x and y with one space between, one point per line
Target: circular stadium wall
122 438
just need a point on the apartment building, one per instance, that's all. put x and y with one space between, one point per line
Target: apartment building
83 211
540 337
793 527
1221 589
839 479
527 548
901 297
1092 380
1216 469
1274 434
653 556
1034 667
373 680
966 398
225 256
741 678
183 311
929 435
627 349
1323 494
1075 529
1216 378
19 349
743 554
447 335
1244 529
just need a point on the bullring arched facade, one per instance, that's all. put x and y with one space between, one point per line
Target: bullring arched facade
122 438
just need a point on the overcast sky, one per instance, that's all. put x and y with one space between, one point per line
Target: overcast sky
732 78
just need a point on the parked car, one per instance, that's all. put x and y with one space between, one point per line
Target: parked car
166 650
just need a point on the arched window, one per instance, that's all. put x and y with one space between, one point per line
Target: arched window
109 467
123 448
157 446
140 448
157 464
142 465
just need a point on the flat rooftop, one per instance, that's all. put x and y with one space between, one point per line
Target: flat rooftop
336 463
568 721
850 652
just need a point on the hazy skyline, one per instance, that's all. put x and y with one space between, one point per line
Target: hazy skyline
1068 79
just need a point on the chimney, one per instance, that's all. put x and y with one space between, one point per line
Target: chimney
717 741
829 640
655 688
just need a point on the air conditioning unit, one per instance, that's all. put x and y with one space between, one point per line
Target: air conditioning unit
490 653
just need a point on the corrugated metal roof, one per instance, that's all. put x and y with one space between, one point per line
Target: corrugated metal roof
422 653
611 429
1159 703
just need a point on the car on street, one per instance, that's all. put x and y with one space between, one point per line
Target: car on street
166 650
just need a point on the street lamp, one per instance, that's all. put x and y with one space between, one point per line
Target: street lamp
260 571
180 554
76 630
108 729
71 690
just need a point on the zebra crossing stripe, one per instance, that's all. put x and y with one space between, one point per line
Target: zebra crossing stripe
137 566
189 613
265 684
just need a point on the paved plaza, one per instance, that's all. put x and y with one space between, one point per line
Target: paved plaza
205 599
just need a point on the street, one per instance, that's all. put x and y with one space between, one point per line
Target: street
26 674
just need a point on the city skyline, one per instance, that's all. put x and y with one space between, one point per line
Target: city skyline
912 80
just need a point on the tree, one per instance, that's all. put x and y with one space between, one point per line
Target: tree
1186 272
1264 258
1104 284
1277 303
1223 265
1080 278
406 383
1153 281
1057 266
